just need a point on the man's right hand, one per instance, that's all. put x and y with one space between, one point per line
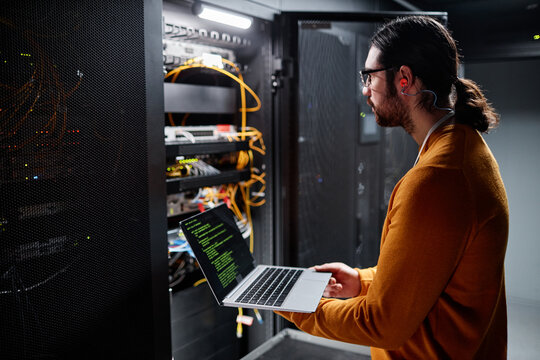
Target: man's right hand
344 283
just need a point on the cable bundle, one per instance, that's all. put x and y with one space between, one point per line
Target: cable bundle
228 193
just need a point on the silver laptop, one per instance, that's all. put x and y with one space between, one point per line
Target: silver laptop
229 268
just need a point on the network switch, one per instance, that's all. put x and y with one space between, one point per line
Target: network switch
195 134
181 203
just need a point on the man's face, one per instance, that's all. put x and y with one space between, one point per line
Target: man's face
388 107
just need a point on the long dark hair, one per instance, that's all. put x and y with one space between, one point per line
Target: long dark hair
427 47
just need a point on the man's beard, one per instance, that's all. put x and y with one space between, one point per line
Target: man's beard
392 113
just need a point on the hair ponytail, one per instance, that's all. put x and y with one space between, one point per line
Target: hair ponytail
472 107
427 47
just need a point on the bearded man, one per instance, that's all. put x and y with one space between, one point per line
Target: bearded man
438 289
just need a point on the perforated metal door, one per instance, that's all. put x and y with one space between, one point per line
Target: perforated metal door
75 232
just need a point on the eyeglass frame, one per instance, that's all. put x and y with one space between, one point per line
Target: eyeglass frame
367 82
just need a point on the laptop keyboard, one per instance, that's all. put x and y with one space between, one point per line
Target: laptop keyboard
271 287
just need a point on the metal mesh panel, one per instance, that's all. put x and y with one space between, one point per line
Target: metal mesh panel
345 175
326 146
74 235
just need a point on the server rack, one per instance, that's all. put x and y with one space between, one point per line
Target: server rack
196 101
343 167
83 266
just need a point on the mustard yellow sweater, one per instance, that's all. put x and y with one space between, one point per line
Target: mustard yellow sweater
437 291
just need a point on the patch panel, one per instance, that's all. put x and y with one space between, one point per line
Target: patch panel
188 33
38 249
195 134
181 203
177 52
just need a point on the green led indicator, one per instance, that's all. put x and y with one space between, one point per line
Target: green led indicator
362 114
536 37
88 237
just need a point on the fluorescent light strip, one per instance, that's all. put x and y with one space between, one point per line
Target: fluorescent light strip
226 18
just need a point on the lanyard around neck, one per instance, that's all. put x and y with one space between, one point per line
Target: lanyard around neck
433 128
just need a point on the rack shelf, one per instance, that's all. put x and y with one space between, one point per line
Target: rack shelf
181 148
193 182
188 98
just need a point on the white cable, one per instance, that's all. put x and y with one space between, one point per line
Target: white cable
188 136
433 128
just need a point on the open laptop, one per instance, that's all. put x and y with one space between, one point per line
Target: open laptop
229 268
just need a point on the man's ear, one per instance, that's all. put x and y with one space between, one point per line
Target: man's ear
406 73
405 77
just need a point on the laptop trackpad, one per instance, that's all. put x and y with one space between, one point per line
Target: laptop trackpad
313 275
307 292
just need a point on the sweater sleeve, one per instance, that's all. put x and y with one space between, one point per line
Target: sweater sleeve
366 277
428 223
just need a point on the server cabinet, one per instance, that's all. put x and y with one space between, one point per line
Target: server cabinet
338 167
205 125
83 263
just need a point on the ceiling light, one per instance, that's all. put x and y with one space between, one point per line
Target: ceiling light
221 16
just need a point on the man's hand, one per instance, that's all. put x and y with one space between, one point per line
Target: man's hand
344 282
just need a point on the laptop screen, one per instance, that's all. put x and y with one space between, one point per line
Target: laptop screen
220 249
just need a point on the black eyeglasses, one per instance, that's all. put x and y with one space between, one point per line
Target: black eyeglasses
366 75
